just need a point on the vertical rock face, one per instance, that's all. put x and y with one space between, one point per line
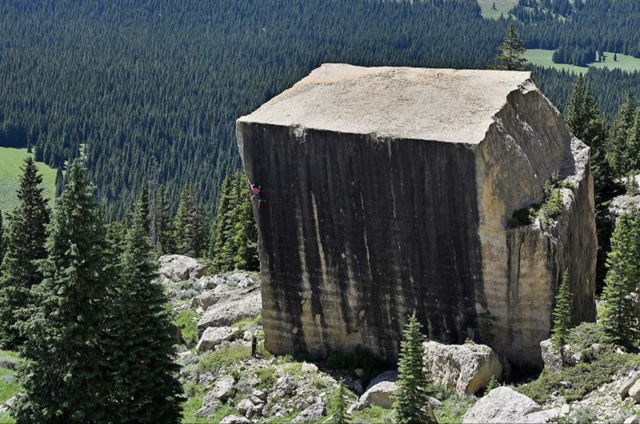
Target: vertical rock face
388 190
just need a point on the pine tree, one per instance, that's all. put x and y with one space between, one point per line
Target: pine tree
245 238
562 315
576 114
618 318
217 248
185 232
633 144
25 245
511 57
338 405
164 224
62 378
59 182
2 241
412 394
141 346
618 154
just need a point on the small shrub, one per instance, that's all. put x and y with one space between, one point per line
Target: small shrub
187 322
453 408
266 378
224 358
493 383
587 334
373 415
582 379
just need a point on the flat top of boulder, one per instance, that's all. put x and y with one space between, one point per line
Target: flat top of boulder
446 105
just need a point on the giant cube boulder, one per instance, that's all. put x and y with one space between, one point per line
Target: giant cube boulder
389 190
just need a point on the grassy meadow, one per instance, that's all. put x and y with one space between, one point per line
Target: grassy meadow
544 58
11 160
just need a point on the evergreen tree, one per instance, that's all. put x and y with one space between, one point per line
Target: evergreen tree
412 395
245 239
220 227
2 241
511 57
190 224
618 316
185 232
141 351
339 405
576 113
62 377
633 144
562 315
618 154
166 237
25 245
59 182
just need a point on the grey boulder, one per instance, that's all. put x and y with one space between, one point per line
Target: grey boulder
179 268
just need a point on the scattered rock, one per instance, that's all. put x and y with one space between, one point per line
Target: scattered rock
632 420
235 419
466 368
208 411
379 395
391 376
245 407
309 368
223 389
179 268
203 301
434 403
552 360
504 405
311 414
7 405
259 394
229 313
285 386
213 336
628 383
634 391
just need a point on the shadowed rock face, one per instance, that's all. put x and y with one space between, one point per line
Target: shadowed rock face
388 190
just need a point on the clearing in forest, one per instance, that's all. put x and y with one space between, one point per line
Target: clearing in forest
501 7
544 58
11 160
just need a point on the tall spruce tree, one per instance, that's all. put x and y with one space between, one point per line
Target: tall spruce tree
338 405
25 246
166 243
220 227
511 52
562 313
633 144
576 113
2 241
62 377
618 154
59 182
190 224
618 317
141 345
245 239
412 395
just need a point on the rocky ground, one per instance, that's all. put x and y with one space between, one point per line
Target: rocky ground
219 314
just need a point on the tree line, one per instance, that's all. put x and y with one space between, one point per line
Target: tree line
151 89
92 325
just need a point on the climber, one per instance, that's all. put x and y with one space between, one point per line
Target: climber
255 192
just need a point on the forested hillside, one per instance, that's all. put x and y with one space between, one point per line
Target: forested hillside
152 89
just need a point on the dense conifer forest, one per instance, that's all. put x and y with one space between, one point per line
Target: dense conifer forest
151 89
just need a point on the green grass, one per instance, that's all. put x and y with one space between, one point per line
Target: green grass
191 406
11 160
502 6
453 408
229 356
187 322
9 387
373 415
575 382
544 58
